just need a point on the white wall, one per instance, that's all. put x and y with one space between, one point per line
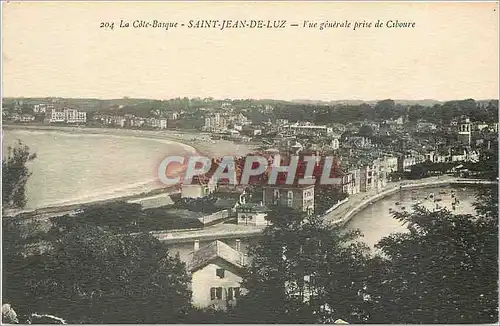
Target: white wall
205 278
192 191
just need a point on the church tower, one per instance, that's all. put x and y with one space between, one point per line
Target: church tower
464 132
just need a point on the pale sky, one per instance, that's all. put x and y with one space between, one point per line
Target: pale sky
58 49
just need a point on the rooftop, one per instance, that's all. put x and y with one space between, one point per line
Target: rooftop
254 207
216 249
292 186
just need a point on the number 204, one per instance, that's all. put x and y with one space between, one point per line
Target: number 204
108 25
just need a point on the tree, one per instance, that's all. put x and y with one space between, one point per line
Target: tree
385 109
325 197
444 270
304 271
93 276
15 174
365 131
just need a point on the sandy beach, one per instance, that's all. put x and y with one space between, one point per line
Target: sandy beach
200 142
187 143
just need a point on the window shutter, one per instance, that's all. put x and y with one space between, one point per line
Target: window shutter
219 293
212 294
236 292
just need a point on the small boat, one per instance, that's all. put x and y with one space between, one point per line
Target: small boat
442 192
403 208
425 197
398 203
419 202
437 199
431 195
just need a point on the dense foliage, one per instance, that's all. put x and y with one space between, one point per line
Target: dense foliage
304 271
122 217
89 275
15 174
444 270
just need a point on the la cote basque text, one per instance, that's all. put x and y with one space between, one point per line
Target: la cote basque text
225 24
214 23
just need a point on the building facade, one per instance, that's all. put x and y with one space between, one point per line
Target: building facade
215 123
217 272
297 197
252 214
464 132
67 115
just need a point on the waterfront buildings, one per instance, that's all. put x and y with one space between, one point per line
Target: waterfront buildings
156 123
307 129
367 178
405 162
215 123
110 120
67 115
42 108
298 197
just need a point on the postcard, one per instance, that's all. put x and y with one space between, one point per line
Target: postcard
273 162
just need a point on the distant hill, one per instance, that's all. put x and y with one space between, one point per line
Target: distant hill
93 104
426 102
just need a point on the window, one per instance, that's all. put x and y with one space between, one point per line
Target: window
233 293
290 198
220 272
216 293
276 196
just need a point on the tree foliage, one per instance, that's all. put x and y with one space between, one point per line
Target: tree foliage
15 174
93 276
444 270
304 271
123 217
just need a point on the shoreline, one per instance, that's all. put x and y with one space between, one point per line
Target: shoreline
196 143
200 142
349 212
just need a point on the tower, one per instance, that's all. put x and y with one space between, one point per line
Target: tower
464 132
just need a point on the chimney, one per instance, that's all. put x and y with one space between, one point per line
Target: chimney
238 245
196 245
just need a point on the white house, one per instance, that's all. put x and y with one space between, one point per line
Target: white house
67 115
200 187
252 214
217 271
